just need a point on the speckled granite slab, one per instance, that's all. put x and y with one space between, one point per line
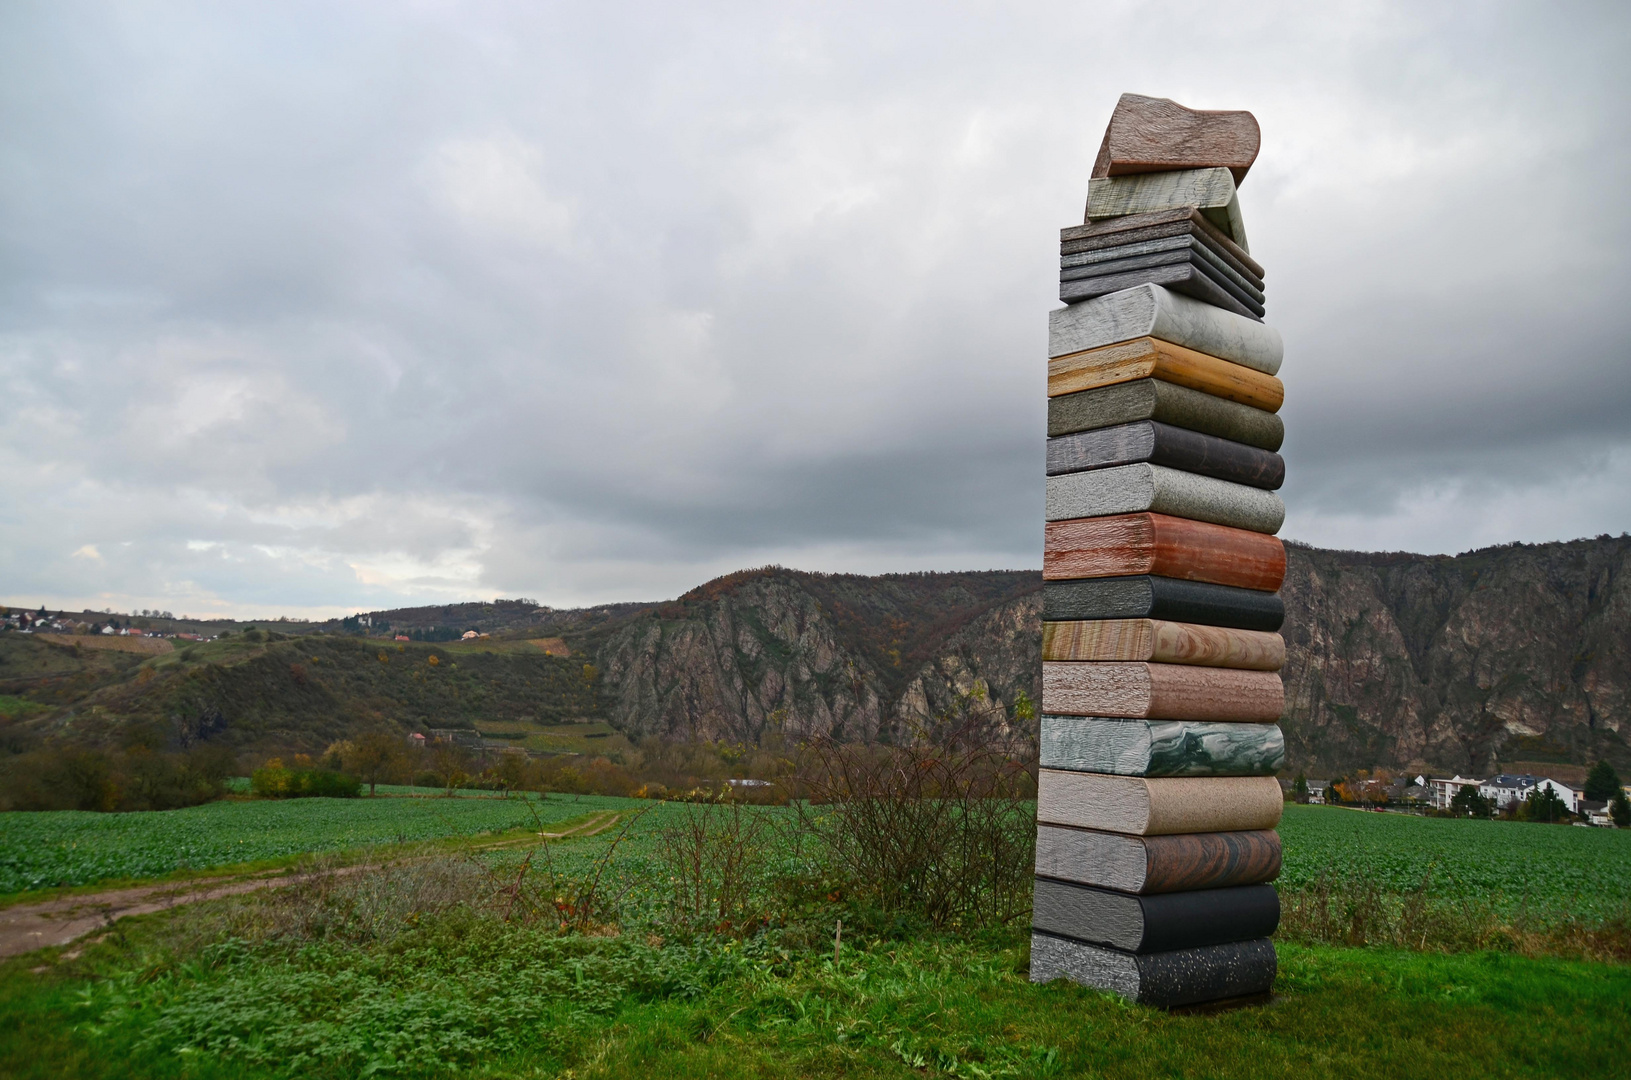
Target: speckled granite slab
1128 489
1161 747
1157 864
1166 980
1169 403
1154 924
1147 597
1152 311
1163 444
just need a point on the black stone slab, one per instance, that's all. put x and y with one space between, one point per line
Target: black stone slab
1138 228
1168 403
1166 980
1145 596
1159 923
1193 277
1163 444
1087 263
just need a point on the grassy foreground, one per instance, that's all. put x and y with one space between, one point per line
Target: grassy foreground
499 1001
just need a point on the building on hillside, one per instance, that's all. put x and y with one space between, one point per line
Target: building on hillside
1443 791
1596 813
417 740
1507 789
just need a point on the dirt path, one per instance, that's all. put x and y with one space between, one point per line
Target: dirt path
26 927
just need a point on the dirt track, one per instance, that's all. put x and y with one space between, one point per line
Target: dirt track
26 927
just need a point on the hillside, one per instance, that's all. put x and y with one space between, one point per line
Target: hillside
1512 654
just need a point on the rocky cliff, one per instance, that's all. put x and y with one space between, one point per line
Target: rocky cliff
1507 655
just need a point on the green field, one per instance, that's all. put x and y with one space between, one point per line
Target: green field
41 850
1515 866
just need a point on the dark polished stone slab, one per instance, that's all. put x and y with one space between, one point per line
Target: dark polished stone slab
1153 924
1145 596
1163 444
1168 403
1166 980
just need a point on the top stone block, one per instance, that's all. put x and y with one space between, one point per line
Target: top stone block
1148 134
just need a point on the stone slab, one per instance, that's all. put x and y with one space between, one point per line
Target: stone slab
1151 311
1145 596
1167 403
1168 249
1211 191
1151 134
1161 747
1126 544
1152 358
1157 864
1130 489
1163 642
1163 444
1165 980
1136 228
1159 923
1144 690
1188 277
1157 805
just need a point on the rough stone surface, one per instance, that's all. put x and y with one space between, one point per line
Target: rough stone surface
1167 980
1150 310
1129 489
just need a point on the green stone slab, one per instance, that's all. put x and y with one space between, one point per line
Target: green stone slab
1161 747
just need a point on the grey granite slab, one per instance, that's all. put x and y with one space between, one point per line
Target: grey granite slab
1136 228
1161 747
1145 596
1167 403
1163 444
1084 263
1130 489
1166 980
1152 311
1190 277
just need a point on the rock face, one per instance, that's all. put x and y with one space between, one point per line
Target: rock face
810 654
1511 654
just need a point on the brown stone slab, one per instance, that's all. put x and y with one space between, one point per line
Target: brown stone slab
1143 690
1120 545
1150 134
1147 358
1162 642
1160 805
1157 864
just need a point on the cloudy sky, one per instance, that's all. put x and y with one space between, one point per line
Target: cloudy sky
308 308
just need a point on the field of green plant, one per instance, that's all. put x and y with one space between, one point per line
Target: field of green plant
42 850
1586 872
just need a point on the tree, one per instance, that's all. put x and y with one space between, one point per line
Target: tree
1300 788
450 762
375 758
1619 811
1467 801
1543 804
1602 783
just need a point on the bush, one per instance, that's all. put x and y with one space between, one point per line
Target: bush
273 781
73 778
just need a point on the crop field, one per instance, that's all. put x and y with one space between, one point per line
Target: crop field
1586 872
44 850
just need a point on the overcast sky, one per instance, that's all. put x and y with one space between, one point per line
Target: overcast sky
309 308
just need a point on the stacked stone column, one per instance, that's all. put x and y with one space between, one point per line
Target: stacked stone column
1160 688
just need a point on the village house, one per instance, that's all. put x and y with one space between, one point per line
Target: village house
1444 791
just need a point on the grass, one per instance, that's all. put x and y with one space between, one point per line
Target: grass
458 996
53 849
1513 866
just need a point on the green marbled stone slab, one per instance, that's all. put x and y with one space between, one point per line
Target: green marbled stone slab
1161 747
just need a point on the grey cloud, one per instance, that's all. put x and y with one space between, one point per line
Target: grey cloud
380 305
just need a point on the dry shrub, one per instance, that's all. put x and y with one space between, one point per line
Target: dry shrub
938 826
714 853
